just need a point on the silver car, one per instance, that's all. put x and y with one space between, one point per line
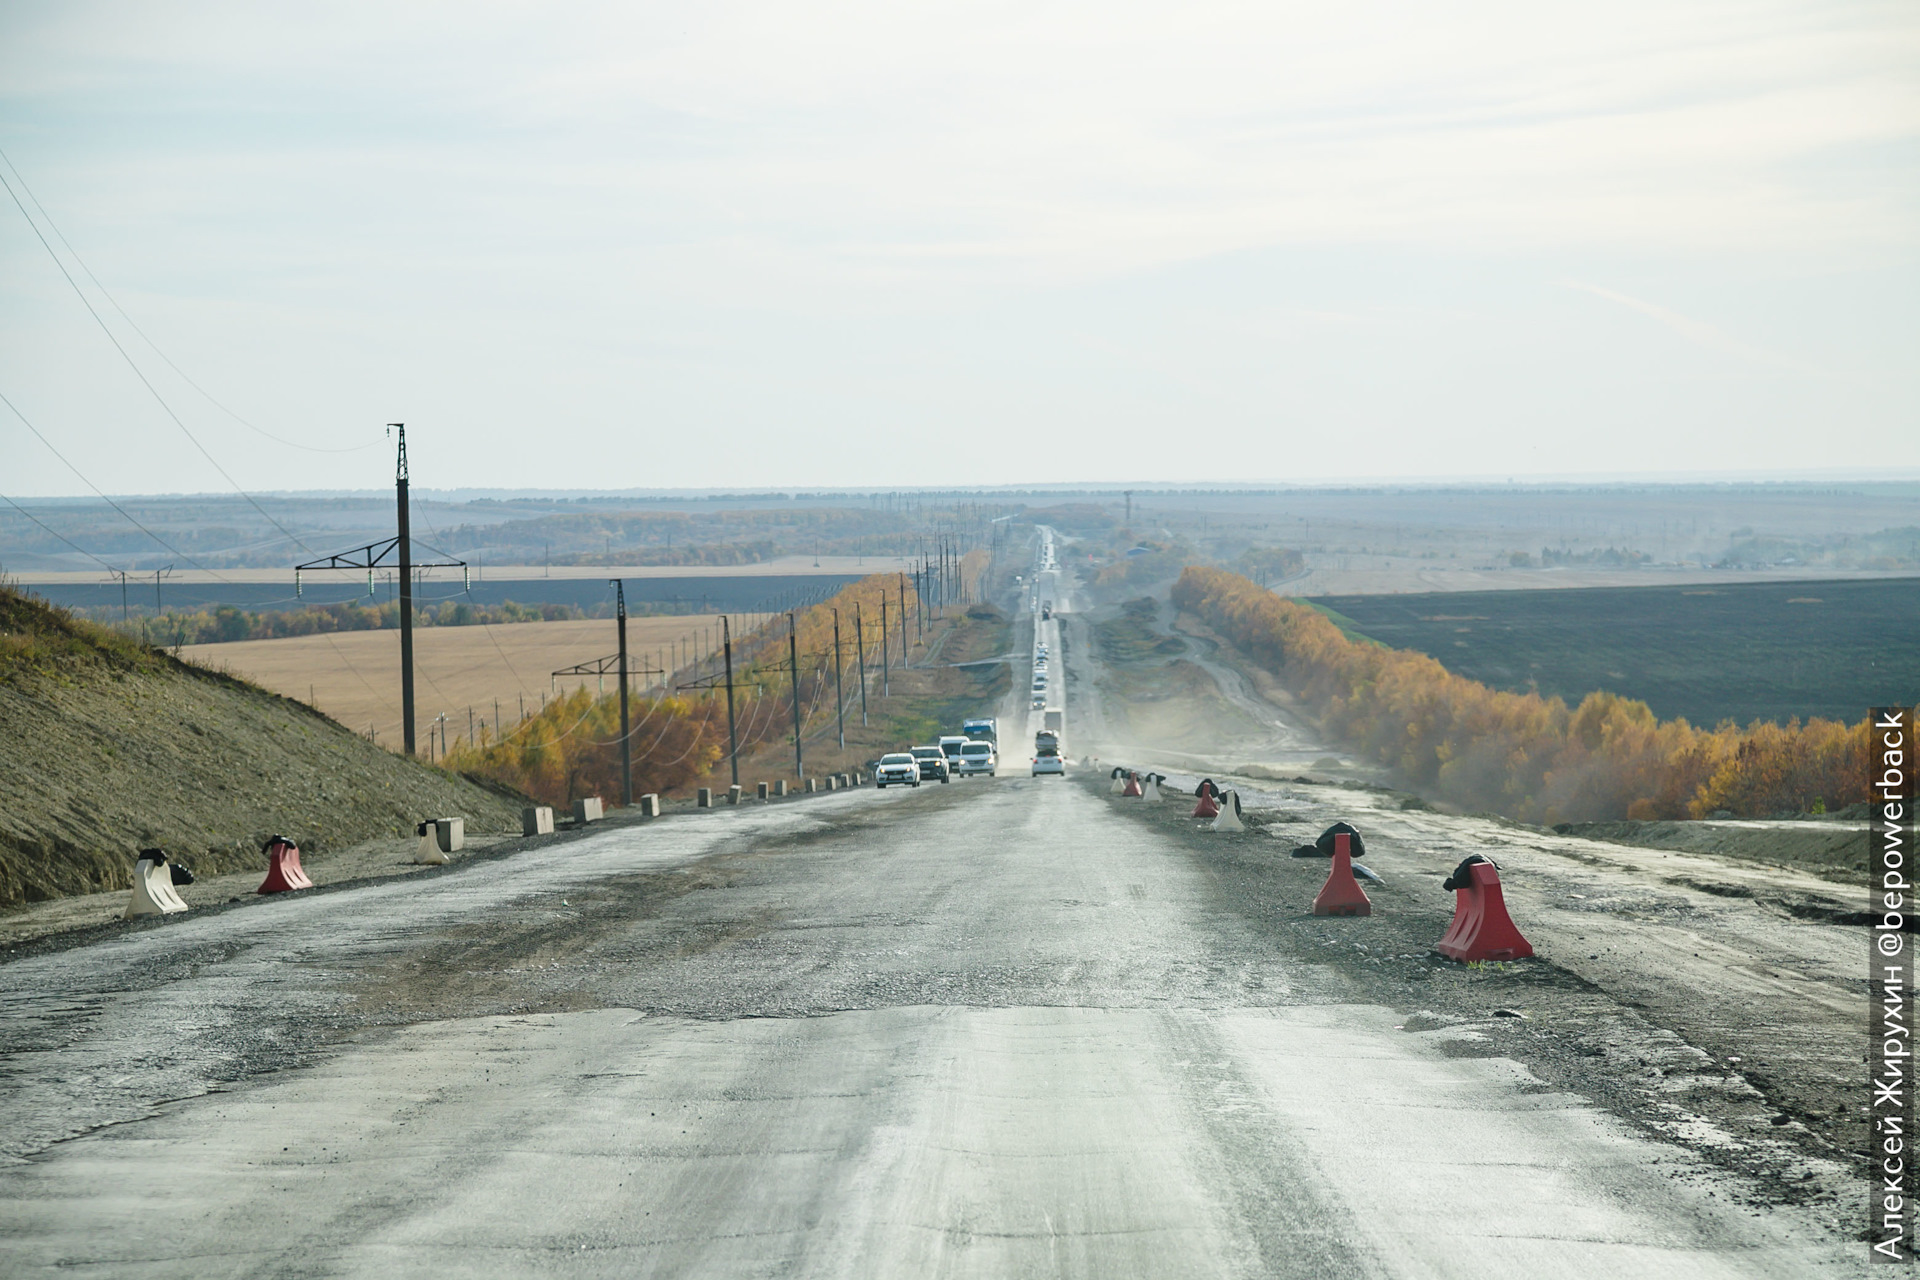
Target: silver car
978 757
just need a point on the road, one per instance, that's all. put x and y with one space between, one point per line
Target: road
994 1029
1001 1028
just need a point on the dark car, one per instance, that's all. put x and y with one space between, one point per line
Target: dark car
933 764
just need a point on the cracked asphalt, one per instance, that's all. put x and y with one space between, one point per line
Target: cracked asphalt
998 1028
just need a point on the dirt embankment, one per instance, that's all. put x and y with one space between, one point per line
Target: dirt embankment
106 748
1829 848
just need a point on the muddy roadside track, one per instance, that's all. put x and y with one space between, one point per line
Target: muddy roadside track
1767 1087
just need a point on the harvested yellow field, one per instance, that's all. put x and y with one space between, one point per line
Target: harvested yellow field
354 676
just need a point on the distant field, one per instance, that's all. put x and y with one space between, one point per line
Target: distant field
355 676
1761 651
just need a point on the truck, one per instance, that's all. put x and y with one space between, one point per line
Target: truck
1055 722
986 730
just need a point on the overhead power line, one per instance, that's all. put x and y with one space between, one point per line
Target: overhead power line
103 497
138 373
56 533
154 346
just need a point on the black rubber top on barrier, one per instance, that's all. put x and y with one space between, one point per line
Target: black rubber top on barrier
1355 845
1461 876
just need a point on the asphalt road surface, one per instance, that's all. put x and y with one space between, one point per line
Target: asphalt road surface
991 1029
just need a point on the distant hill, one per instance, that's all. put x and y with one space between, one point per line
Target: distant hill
107 746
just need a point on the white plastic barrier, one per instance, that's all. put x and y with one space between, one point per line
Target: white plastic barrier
1229 819
537 821
430 854
153 893
1151 790
650 805
588 810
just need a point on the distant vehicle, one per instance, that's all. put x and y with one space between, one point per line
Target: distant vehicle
1046 754
898 767
978 757
1039 701
950 747
1046 611
1056 720
933 764
987 730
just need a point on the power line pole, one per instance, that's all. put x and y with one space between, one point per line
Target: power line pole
839 695
122 575
918 618
883 643
626 742
405 549
860 640
733 738
793 670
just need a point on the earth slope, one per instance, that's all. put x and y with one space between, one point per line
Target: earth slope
107 747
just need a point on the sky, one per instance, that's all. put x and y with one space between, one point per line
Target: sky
869 245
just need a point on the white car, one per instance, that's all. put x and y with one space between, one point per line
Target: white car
978 757
899 767
1049 764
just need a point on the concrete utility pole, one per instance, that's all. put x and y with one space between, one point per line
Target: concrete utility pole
1129 494
839 696
883 642
626 740
793 671
404 548
918 619
860 642
733 738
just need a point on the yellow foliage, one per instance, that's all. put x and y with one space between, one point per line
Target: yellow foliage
1520 754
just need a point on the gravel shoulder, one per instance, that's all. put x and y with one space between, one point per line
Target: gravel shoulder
1696 982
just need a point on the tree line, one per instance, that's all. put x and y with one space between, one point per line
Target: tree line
572 747
1526 756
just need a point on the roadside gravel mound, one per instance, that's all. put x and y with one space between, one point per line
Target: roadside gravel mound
1831 849
107 746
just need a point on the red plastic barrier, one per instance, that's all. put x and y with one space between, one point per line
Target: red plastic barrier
283 868
1133 785
1206 808
1481 928
1342 895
